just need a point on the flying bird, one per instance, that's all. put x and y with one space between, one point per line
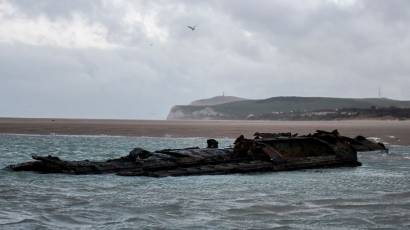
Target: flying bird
192 27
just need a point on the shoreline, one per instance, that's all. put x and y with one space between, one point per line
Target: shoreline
390 131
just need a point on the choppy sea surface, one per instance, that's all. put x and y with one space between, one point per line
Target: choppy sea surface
374 196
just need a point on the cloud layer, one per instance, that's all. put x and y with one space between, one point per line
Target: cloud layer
135 59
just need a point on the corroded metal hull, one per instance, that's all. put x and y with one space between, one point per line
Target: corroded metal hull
262 154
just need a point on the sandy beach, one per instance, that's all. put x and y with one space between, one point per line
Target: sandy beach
391 131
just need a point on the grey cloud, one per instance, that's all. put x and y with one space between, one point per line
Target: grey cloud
249 49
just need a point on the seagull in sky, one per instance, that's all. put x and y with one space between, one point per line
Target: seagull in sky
192 27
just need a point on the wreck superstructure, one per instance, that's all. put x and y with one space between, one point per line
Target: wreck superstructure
264 153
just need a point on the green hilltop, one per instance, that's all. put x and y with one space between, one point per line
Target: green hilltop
245 108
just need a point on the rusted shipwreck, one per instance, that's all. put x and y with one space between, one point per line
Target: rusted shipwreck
264 153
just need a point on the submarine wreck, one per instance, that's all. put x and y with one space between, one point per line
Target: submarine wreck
266 152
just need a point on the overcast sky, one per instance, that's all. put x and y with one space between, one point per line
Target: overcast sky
135 59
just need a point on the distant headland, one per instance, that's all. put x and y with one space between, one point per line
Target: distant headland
291 108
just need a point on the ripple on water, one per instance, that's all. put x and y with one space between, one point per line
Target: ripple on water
376 195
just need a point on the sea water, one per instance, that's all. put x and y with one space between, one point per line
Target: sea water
375 195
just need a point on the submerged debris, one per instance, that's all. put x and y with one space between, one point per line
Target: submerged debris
266 152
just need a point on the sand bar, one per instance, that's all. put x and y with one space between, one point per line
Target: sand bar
391 131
